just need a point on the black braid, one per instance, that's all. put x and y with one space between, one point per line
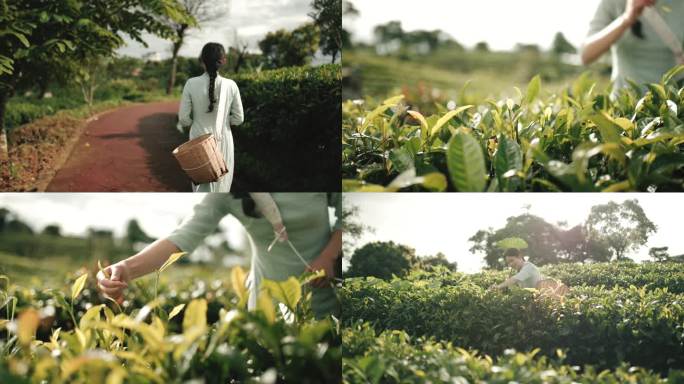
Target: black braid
212 55
248 204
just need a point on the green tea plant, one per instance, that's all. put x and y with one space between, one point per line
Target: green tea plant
210 337
579 140
596 325
396 357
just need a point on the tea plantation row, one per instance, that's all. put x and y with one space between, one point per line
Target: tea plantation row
596 325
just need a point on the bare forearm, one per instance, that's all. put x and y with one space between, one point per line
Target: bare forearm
600 42
151 258
509 282
333 249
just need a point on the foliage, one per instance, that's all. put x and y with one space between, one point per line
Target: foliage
294 48
578 140
596 325
191 332
436 261
624 227
294 112
352 228
382 260
327 16
659 253
392 356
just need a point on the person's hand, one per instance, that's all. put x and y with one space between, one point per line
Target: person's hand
113 280
635 8
325 263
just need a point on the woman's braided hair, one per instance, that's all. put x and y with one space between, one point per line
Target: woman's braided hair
637 29
212 57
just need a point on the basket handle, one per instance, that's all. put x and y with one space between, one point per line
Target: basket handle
221 109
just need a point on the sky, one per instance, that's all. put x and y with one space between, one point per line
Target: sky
250 19
433 223
501 23
157 213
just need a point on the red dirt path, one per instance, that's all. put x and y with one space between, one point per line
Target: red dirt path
126 150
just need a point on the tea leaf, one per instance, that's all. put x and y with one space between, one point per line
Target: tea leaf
448 116
288 292
172 259
176 310
78 286
27 324
237 281
533 89
466 163
195 315
265 305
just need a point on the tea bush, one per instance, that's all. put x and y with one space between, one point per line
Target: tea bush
189 332
291 135
597 326
396 357
579 140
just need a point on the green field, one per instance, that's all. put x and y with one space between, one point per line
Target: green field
621 322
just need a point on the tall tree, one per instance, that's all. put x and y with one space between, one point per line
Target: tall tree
382 260
624 227
561 45
201 12
327 16
135 233
352 228
659 254
438 260
348 11
55 36
283 48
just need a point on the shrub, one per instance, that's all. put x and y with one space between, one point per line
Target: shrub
290 140
396 357
597 325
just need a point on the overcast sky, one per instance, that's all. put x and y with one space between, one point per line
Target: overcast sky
158 213
251 19
500 23
443 222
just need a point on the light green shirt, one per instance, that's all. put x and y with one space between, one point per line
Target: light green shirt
306 218
641 60
528 276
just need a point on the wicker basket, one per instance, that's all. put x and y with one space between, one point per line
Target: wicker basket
201 159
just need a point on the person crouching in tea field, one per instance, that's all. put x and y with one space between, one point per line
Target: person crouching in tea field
528 275
289 233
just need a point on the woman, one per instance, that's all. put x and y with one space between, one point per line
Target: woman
305 216
198 109
626 27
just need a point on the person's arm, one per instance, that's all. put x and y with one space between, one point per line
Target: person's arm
114 279
237 115
508 283
185 110
600 42
204 220
326 260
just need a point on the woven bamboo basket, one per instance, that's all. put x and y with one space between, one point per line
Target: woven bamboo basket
201 159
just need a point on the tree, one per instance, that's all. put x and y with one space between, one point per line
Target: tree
327 16
386 33
351 227
547 243
562 45
437 260
54 37
659 254
348 11
482 46
135 233
199 12
623 227
382 260
286 49
52 230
